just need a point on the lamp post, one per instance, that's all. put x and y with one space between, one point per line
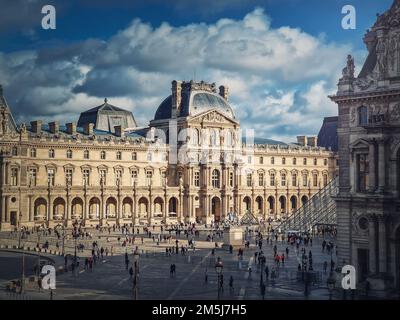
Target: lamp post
331 284
136 256
218 270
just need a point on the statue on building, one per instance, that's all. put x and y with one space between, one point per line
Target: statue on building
381 55
348 71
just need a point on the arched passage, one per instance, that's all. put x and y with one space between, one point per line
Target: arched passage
111 207
271 204
216 208
143 207
282 204
259 205
247 203
94 208
293 203
158 206
304 200
40 209
127 207
58 208
77 208
173 206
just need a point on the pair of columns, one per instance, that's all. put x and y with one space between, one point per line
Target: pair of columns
377 229
377 147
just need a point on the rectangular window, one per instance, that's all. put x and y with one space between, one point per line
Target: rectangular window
197 179
163 176
315 161
50 177
294 161
272 160
69 154
149 156
68 176
283 160
33 153
272 179
260 179
51 153
134 156
315 180
249 180
118 177
283 179
103 176
86 177
305 161
32 177
294 180
14 176
249 159
133 177
119 155
231 179
86 154
261 160
325 180
305 180
149 175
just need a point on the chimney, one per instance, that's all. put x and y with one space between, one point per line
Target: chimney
119 131
301 140
36 126
312 141
224 92
54 127
88 129
71 128
176 97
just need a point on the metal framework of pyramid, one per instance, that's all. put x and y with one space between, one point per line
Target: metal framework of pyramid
249 219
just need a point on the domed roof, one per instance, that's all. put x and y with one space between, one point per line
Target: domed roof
193 103
106 116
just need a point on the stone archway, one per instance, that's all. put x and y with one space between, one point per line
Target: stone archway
143 207
158 207
77 208
40 209
247 203
94 208
58 209
216 209
282 205
293 203
259 205
127 207
111 207
304 200
173 207
271 203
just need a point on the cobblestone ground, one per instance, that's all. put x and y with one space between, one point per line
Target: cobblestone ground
110 279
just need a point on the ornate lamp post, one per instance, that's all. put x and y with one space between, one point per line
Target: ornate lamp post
136 256
218 270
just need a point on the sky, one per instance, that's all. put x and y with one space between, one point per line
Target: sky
279 58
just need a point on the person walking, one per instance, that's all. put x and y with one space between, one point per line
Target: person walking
231 289
130 272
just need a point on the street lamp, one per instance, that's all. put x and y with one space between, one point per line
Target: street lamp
136 256
218 270
331 284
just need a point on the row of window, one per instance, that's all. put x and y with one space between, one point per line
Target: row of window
215 178
283 161
86 154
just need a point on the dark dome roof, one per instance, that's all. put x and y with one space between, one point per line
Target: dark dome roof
106 116
198 102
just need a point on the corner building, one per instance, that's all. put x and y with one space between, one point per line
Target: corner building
189 165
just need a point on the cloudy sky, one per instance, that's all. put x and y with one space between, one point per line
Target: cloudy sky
280 58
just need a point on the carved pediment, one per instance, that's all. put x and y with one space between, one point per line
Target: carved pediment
213 116
359 144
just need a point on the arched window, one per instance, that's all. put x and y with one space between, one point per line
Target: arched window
272 179
294 179
283 179
325 180
362 115
215 178
315 180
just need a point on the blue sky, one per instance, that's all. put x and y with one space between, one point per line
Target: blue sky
280 58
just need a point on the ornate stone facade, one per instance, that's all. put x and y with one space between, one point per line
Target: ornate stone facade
50 174
368 205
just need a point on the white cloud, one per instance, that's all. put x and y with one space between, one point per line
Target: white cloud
278 78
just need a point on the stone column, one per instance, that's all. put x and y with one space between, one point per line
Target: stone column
372 177
382 253
372 245
381 166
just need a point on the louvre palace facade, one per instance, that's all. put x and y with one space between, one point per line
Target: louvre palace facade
190 164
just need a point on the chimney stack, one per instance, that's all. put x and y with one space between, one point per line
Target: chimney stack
176 97
312 141
88 129
36 126
301 140
224 92
71 128
119 131
54 127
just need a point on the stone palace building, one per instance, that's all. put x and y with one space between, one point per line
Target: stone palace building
368 204
190 164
